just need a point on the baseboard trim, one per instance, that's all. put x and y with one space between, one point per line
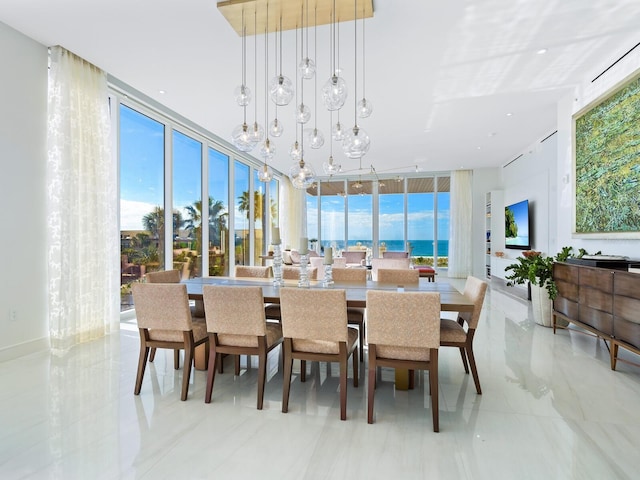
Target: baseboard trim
26 348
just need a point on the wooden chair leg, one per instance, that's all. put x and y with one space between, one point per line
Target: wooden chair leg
372 382
236 361
355 367
221 363
412 379
361 340
614 355
176 359
433 382
153 354
142 363
474 370
262 376
286 386
464 360
343 386
303 371
211 371
188 361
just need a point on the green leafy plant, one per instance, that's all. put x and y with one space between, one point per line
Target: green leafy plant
536 268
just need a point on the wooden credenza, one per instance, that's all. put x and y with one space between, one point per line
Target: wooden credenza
604 301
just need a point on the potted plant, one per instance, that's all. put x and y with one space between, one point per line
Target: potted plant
537 269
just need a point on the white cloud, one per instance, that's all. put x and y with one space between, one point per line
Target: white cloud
131 213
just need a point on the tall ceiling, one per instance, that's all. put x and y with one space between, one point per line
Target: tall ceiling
454 84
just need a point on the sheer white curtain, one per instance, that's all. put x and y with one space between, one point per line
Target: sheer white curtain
82 198
293 216
460 241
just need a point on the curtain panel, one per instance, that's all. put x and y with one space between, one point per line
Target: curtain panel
293 214
82 204
460 241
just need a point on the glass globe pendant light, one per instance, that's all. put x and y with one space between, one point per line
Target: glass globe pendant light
257 132
330 167
280 87
275 127
302 175
295 151
242 93
241 134
356 141
267 149
334 91
307 67
365 107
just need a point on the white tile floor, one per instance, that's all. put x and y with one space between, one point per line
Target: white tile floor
551 408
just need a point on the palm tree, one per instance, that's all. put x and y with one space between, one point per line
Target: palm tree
153 222
217 220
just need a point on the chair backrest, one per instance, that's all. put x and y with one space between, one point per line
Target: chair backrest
395 254
388 263
166 276
399 276
314 314
403 319
162 306
339 262
234 310
253 272
358 275
293 273
354 257
318 264
476 290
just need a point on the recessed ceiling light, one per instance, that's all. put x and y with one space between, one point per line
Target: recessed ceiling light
542 51
493 134
478 148
162 92
509 114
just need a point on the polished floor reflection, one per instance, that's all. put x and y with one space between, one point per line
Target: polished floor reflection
550 408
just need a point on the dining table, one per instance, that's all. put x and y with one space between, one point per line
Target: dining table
451 299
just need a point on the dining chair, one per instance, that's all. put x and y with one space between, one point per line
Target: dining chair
354 257
395 254
314 326
273 310
317 263
237 326
399 276
404 332
453 333
355 316
164 321
388 263
253 272
197 312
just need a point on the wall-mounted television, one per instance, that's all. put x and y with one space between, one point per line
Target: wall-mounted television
516 226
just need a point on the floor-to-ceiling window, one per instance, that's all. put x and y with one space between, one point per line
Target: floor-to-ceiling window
142 229
218 213
360 216
166 204
242 212
189 210
393 214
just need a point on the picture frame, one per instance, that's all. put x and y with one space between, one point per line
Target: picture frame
606 164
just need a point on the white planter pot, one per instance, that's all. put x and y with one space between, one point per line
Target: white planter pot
542 306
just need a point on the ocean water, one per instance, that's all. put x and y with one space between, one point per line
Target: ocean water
419 248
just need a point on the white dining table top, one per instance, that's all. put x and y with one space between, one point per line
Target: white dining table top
450 298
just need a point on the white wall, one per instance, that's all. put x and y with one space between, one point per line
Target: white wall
583 96
23 296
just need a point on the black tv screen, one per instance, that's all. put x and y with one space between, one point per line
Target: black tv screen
516 226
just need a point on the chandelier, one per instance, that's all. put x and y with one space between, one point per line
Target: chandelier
280 90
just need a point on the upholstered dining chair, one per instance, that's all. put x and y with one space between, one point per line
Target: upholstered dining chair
404 332
273 310
253 272
354 257
197 310
453 333
388 263
355 316
395 254
399 276
314 326
164 321
237 326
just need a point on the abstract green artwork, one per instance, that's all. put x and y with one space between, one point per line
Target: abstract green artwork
607 163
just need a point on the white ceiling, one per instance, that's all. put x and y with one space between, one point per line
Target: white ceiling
442 75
